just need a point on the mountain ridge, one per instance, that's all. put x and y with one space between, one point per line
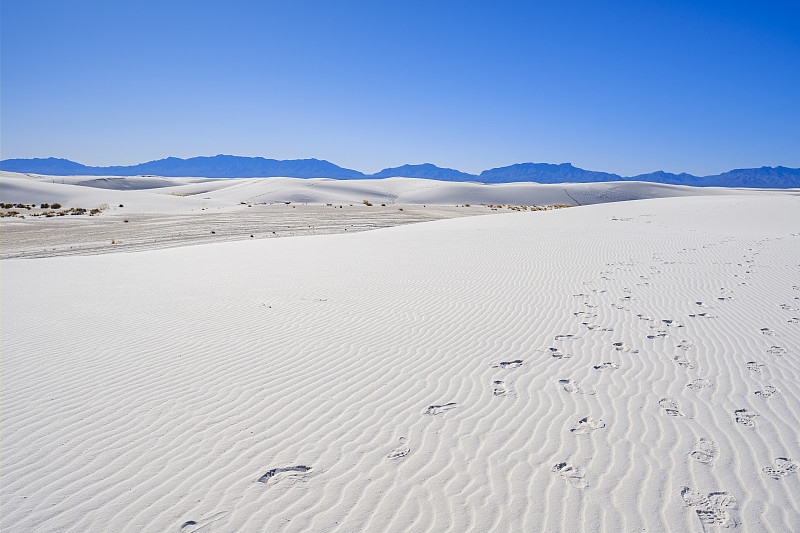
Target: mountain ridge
229 166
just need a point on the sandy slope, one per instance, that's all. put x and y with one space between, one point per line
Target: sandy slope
616 367
171 195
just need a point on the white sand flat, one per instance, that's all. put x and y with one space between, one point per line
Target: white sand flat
403 379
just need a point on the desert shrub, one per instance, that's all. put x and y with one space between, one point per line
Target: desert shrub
55 206
94 211
367 202
121 205
45 206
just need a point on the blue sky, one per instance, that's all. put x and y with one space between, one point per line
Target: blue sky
626 87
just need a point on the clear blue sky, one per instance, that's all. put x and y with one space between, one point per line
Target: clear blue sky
627 87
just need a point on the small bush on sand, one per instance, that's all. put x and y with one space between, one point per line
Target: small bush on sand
55 206
367 202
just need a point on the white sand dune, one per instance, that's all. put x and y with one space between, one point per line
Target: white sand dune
155 194
627 366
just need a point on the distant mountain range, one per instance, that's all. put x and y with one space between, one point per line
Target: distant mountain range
229 166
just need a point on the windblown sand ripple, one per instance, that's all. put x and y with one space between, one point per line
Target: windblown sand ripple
616 367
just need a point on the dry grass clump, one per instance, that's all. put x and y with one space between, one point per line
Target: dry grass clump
367 202
548 207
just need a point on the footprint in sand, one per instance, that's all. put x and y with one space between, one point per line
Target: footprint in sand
606 366
622 347
713 509
596 327
703 315
701 304
279 473
768 332
783 467
586 425
672 323
584 314
686 345
556 353
645 317
499 388
787 307
755 366
196 525
794 320
401 451
439 409
699 384
683 361
705 451
566 337
516 363
777 350
571 386
659 334
571 474
670 407
619 307
745 417
768 391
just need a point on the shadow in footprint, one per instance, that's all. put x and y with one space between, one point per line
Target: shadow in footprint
516 363
571 386
499 388
196 525
705 452
565 337
698 384
713 509
606 366
586 425
439 409
768 391
783 467
745 417
670 407
401 451
289 470
571 474
556 353
755 366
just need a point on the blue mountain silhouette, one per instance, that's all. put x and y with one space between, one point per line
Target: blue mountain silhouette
229 166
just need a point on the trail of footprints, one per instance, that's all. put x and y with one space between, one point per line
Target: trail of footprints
714 508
